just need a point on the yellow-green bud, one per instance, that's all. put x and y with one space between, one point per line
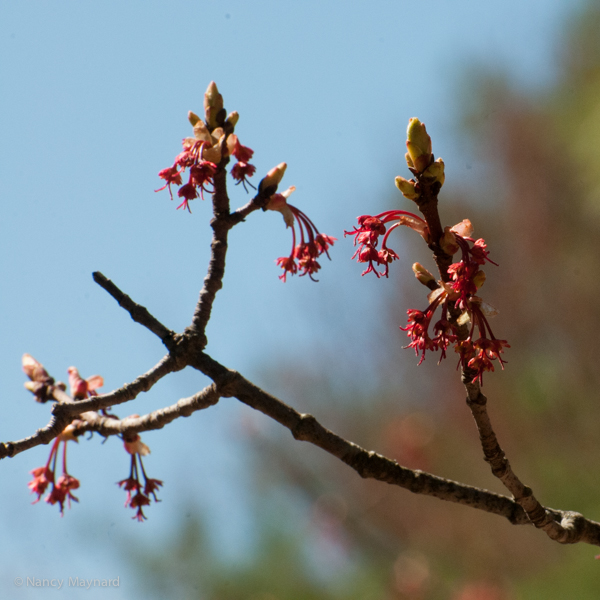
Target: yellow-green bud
435 171
213 104
212 98
448 242
273 177
479 279
407 188
232 118
409 161
422 274
193 118
201 133
418 144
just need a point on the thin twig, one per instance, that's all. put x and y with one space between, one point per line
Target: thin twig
502 469
107 426
213 281
63 412
137 312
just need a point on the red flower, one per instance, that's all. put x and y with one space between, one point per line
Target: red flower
172 176
42 478
240 171
187 192
82 388
242 153
366 236
138 496
201 175
465 279
311 245
62 491
45 476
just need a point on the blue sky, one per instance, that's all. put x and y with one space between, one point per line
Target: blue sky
94 103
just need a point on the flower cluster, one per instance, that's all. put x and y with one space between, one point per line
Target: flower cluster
45 476
366 236
138 495
476 351
201 172
213 140
307 243
242 169
456 292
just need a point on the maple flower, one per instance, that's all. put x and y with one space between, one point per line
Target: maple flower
45 476
201 173
240 171
138 495
83 388
241 153
307 243
366 237
475 353
478 351
200 155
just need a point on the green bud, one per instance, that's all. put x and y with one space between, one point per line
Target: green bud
479 279
232 118
193 118
418 144
273 177
422 274
407 188
448 242
435 171
213 104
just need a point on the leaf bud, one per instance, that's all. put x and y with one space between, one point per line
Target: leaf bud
273 177
213 104
407 188
435 172
479 279
418 144
232 118
422 274
193 118
448 242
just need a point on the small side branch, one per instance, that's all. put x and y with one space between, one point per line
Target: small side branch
138 313
65 410
157 419
565 530
259 201
128 392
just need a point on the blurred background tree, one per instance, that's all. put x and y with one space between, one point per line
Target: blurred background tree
323 533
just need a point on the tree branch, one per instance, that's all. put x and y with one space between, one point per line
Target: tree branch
569 529
107 426
369 464
137 312
66 410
